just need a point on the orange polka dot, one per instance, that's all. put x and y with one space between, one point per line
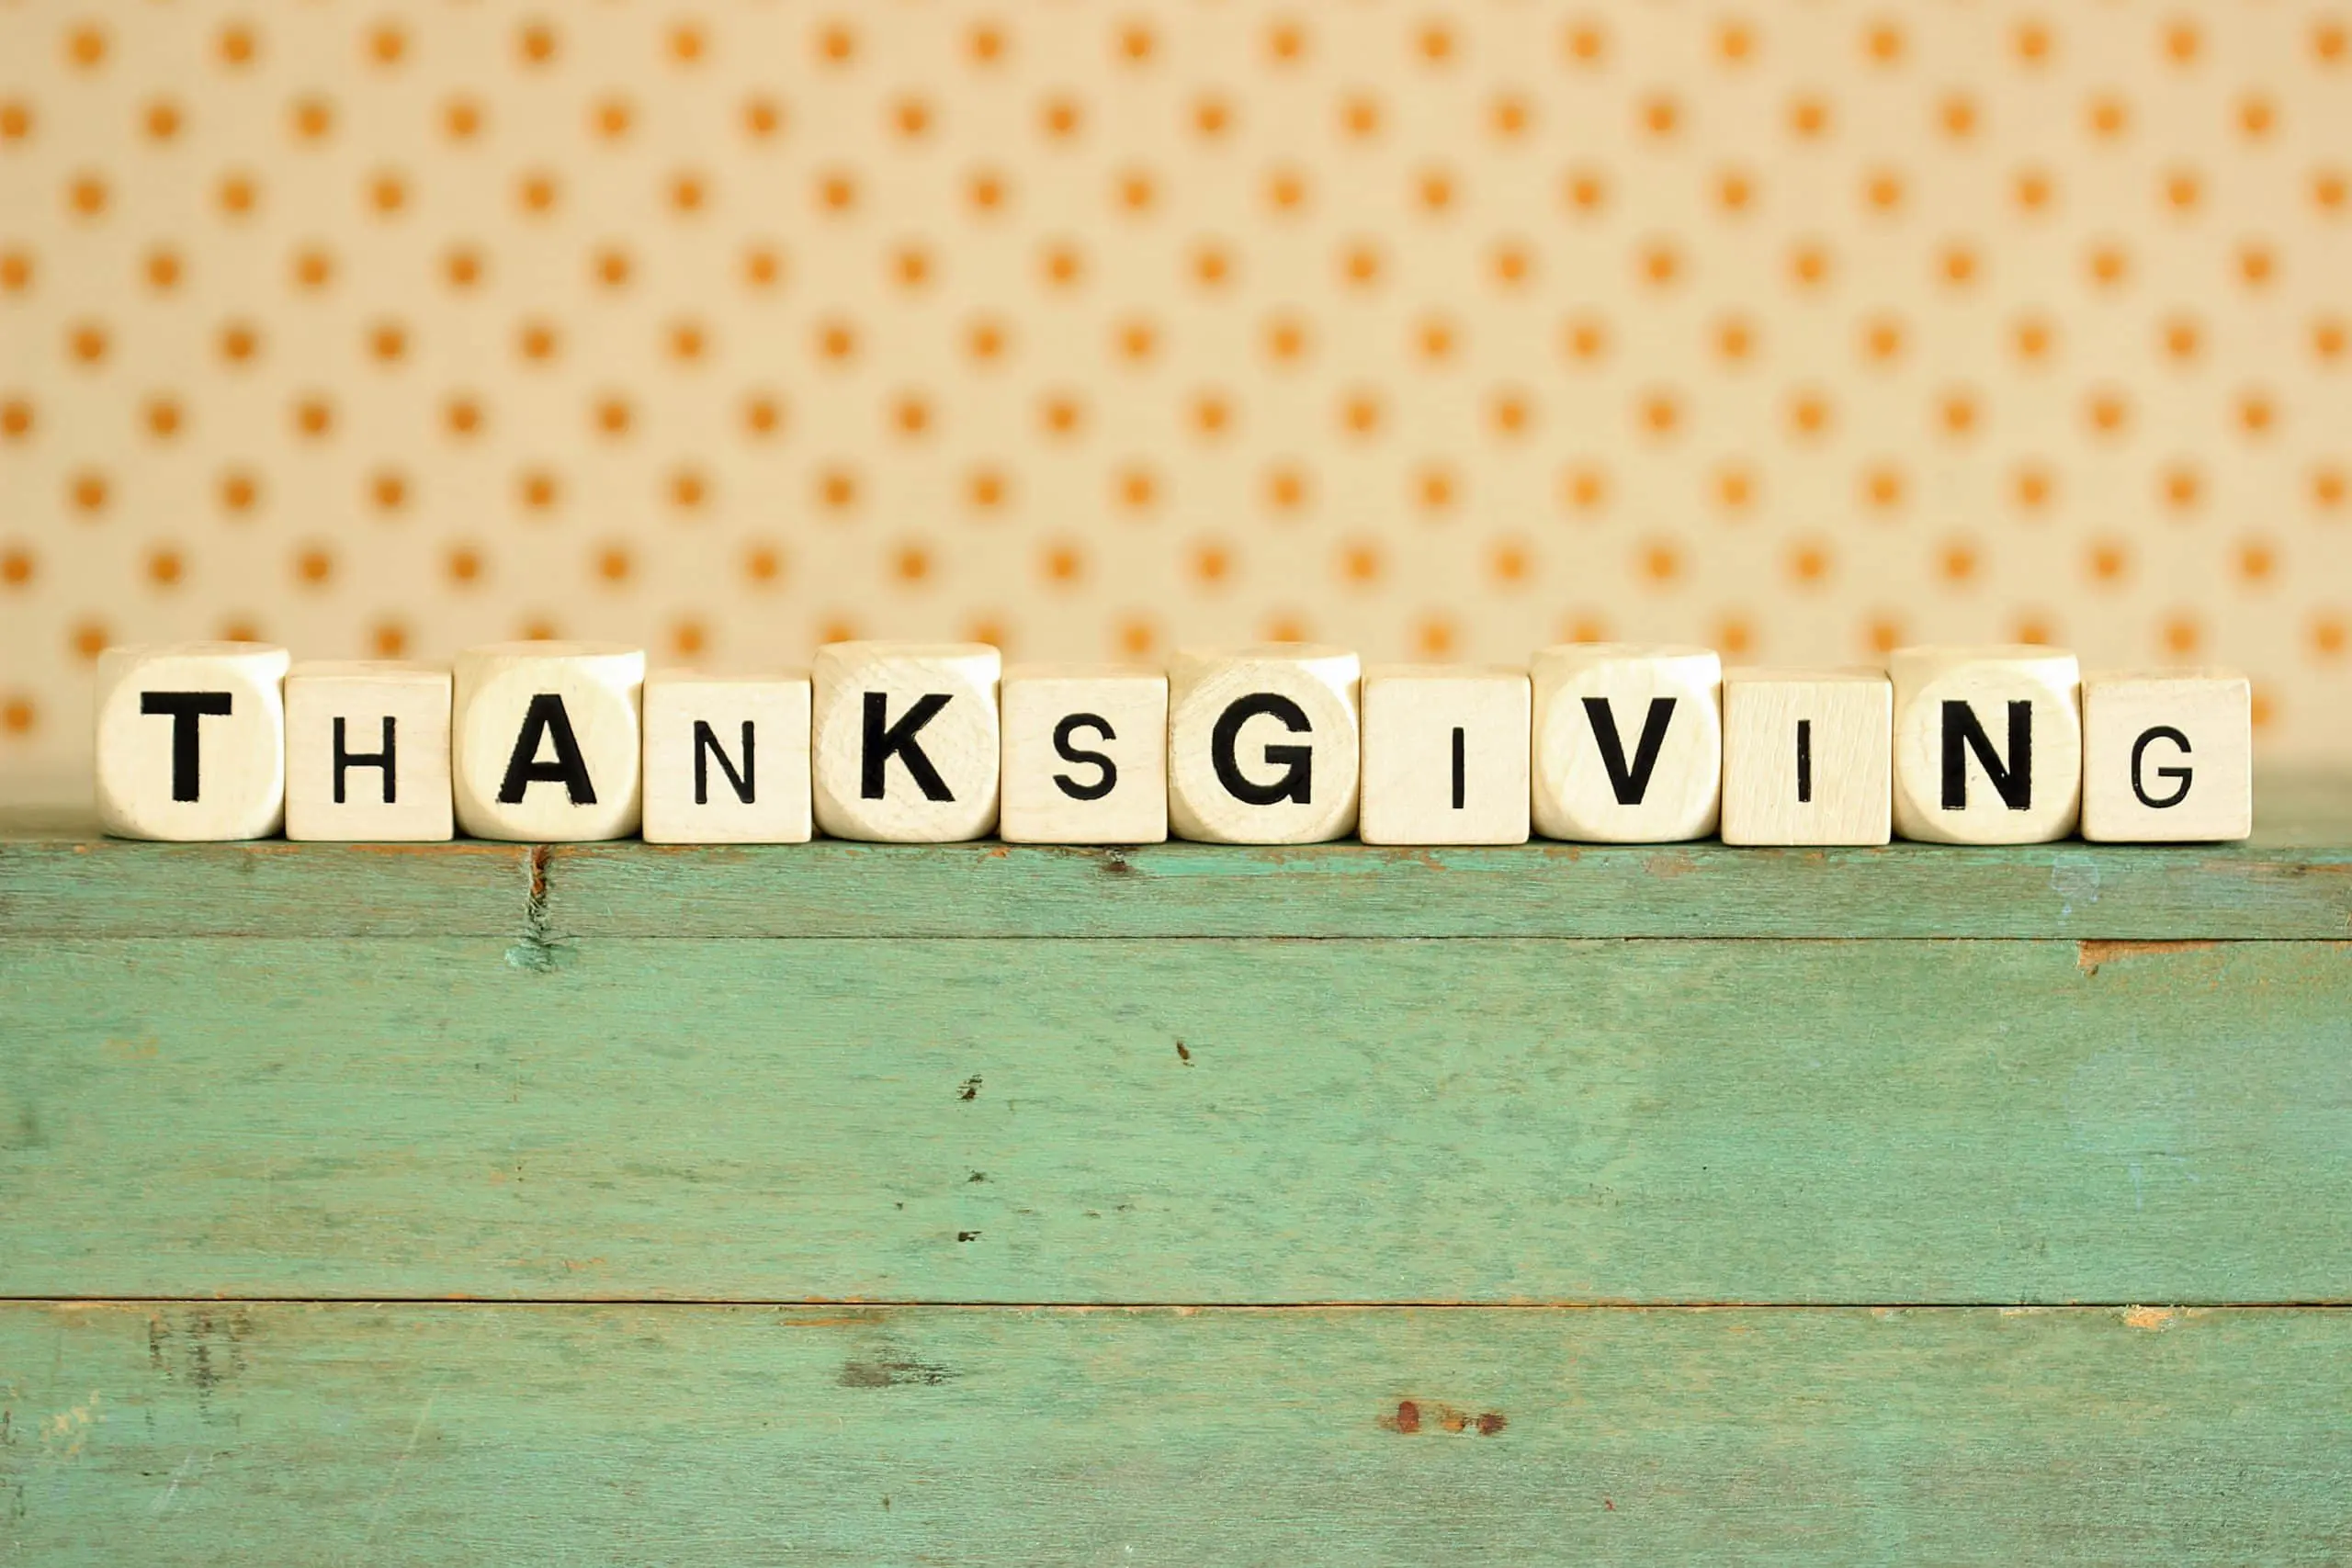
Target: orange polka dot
2181 488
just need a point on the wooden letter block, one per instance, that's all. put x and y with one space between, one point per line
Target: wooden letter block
546 740
367 751
905 748
1629 742
1085 755
1808 756
191 740
726 759
1262 744
2167 756
1446 749
1988 744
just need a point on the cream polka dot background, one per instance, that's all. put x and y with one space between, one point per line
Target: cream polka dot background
1445 329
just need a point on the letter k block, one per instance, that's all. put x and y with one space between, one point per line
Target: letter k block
904 741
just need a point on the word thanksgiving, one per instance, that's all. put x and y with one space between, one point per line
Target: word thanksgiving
1284 743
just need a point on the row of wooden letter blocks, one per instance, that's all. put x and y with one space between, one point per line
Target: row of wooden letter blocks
1274 744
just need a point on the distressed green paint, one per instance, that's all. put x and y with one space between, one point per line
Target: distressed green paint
2293 881
482 1437
1179 1121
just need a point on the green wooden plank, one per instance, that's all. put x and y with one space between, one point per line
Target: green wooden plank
473 1435
1194 1121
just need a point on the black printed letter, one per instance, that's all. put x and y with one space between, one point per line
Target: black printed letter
1962 734
186 708
1630 787
382 759
546 719
1804 761
706 747
884 741
2140 747
1070 724
1296 783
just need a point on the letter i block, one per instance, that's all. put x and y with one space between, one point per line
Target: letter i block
1629 742
2167 756
1262 744
904 745
367 751
1085 755
1808 756
1988 744
726 759
191 740
1446 749
546 740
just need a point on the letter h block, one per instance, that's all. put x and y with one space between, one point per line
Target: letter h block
904 741
1988 744
1263 744
367 751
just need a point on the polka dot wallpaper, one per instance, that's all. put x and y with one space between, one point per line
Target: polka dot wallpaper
1445 329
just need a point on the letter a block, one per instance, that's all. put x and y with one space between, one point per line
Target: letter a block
1085 755
367 751
2167 756
546 740
726 759
904 749
1808 756
1446 749
1629 742
191 740
1988 744
1262 744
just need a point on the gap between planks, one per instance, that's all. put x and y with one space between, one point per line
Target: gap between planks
2322 1303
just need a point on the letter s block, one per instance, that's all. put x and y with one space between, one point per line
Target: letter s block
1262 743
191 740
1629 742
1988 744
904 745
2167 756
545 744
1085 755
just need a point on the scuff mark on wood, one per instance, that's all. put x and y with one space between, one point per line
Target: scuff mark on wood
1412 1415
894 1374
2089 956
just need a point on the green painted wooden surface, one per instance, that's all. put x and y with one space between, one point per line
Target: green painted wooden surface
485 1436
959 1121
2293 881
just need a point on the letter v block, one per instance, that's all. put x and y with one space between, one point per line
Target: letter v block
2167 756
1629 742
1262 743
546 740
367 751
904 748
191 740
726 759
1988 744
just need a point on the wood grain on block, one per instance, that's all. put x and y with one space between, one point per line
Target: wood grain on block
1989 743
1085 755
546 740
1808 756
367 751
2167 756
904 745
727 759
1446 749
191 740
1628 742
1262 743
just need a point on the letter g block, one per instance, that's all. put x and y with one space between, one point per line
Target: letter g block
1262 743
544 742
2167 756
904 741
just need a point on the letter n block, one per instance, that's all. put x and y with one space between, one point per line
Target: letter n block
1807 756
191 740
726 759
1262 743
546 740
2167 756
904 745
1629 742
367 751
1085 755
1988 744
